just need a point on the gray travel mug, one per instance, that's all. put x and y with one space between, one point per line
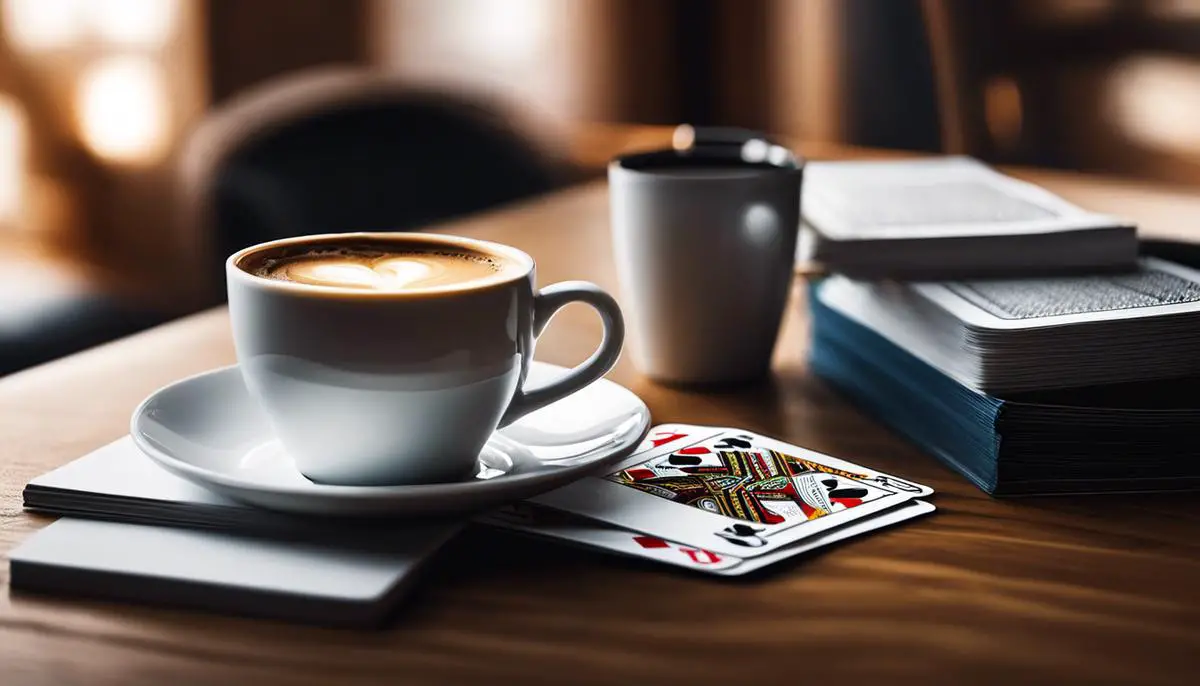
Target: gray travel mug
705 243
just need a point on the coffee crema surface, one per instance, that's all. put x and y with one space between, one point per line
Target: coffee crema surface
376 267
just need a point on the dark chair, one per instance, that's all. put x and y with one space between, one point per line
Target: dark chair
344 150
888 92
34 330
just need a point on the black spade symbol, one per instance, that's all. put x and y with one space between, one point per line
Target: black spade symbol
742 442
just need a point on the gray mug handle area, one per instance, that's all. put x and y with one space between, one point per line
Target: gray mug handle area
546 303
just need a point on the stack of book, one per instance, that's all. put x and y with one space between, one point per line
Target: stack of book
949 217
1032 345
1028 386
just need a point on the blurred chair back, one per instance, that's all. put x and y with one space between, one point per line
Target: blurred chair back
339 150
1089 85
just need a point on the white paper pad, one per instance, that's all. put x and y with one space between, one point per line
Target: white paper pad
325 583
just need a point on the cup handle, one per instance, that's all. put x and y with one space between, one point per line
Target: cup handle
546 303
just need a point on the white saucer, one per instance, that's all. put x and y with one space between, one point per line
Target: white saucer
208 430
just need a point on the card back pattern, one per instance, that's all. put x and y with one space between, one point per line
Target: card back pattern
1036 298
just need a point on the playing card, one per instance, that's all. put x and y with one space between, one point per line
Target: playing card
546 523
1156 289
731 492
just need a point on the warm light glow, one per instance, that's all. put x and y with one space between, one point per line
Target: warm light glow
1003 111
58 24
1156 101
1173 9
122 109
43 24
1067 12
511 30
144 23
684 137
14 145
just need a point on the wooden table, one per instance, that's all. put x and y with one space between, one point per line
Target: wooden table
1054 590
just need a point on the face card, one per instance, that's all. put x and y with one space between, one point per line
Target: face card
731 492
897 515
561 526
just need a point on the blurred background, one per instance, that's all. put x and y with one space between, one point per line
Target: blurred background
143 140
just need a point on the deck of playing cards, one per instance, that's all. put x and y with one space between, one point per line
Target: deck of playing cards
949 217
1070 385
722 501
1009 336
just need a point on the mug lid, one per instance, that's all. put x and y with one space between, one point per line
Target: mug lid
714 147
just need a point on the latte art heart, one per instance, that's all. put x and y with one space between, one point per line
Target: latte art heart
333 274
405 271
395 273
379 270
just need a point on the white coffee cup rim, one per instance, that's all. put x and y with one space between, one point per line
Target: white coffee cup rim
501 278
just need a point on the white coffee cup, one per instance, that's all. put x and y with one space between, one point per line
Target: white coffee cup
705 244
375 387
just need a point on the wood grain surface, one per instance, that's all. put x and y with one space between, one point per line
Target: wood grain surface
1049 590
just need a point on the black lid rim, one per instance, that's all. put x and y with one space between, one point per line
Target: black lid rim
702 156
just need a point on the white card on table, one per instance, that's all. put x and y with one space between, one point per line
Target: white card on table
731 492
554 524
120 470
118 482
325 583
1157 288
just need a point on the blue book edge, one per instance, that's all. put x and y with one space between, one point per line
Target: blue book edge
944 418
